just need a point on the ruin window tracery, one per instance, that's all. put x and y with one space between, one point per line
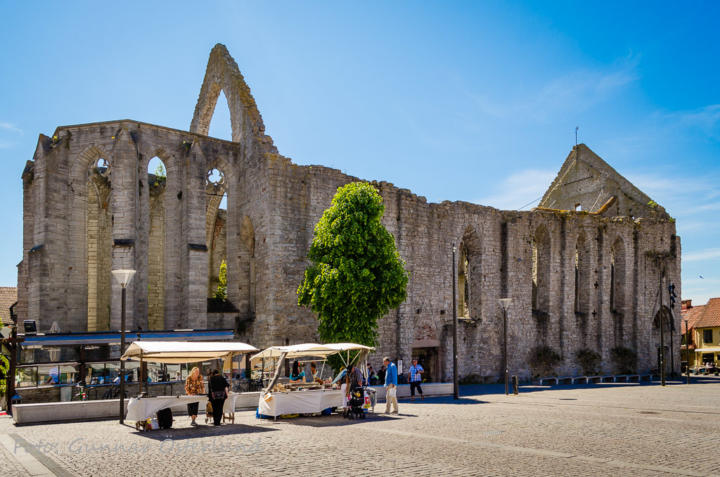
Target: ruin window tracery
216 222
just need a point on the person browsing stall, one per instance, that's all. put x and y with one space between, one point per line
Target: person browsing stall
217 393
194 386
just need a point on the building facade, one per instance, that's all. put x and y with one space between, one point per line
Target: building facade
586 270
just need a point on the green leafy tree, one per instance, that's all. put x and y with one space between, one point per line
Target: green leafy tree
221 292
160 174
4 370
356 274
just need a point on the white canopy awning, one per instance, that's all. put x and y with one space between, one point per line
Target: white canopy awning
173 352
708 350
309 349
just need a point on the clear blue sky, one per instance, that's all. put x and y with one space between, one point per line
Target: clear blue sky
474 101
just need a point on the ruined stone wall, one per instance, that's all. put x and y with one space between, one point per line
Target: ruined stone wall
77 229
82 226
273 206
501 264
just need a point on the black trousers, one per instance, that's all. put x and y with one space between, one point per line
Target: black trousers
192 409
217 405
414 385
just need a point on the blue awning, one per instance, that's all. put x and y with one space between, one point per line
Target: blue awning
98 338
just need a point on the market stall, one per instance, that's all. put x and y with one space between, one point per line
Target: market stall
310 395
141 408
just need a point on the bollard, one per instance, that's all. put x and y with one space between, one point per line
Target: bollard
515 384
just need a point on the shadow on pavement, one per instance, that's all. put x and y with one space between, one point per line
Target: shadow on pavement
445 399
202 432
337 420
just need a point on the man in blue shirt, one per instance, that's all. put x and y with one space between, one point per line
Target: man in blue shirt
415 379
390 386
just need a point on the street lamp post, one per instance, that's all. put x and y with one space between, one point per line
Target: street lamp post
456 390
505 303
687 351
123 277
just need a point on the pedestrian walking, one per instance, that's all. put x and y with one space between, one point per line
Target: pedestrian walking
390 386
416 371
217 393
194 387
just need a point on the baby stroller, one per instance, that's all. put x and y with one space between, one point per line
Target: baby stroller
355 404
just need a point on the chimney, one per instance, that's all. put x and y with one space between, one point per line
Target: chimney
686 305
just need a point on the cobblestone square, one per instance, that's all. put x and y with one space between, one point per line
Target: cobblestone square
585 430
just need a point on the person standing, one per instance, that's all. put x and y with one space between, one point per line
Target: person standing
390 386
381 375
354 377
217 393
416 372
194 387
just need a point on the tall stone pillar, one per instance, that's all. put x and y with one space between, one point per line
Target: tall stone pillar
124 208
196 278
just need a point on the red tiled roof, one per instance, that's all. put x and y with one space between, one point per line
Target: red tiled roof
692 315
710 314
8 296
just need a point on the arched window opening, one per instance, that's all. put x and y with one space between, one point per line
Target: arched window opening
463 284
220 124
617 276
469 276
246 255
582 277
216 219
157 181
541 272
98 236
617 292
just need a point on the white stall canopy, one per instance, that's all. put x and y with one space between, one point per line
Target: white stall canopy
174 352
309 349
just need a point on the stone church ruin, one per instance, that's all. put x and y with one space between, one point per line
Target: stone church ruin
587 270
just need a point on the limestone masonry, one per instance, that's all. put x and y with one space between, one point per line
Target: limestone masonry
587 270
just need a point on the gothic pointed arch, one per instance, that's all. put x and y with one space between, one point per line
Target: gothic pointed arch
617 287
541 250
469 275
582 276
92 186
223 74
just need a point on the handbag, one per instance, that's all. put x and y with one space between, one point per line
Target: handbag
218 394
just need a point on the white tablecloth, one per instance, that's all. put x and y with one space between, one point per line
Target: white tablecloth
229 406
300 402
139 409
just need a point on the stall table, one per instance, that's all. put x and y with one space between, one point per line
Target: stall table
308 401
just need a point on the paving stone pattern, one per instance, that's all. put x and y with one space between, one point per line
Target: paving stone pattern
639 430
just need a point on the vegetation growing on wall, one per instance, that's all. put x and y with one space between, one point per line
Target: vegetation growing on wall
543 360
624 360
589 361
221 292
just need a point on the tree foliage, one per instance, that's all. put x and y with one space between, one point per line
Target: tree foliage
221 292
356 274
4 370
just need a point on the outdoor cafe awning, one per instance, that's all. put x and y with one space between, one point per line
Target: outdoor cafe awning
708 350
174 352
309 349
